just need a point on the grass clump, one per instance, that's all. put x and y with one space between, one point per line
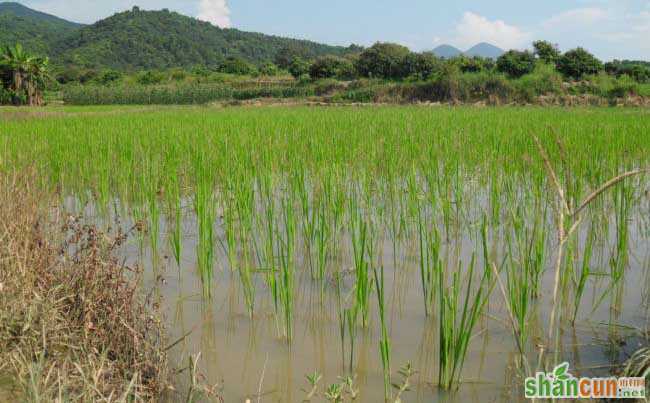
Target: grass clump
73 325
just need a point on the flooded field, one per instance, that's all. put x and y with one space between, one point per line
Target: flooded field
371 254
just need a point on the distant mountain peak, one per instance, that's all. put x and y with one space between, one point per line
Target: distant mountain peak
485 49
482 49
447 51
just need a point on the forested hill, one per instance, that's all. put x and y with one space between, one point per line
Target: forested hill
35 30
139 39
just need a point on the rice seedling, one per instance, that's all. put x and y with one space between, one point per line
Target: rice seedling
384 341
330 199
360 245
430 262
458 317
285 277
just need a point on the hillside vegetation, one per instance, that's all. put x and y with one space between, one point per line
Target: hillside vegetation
36 31
139 39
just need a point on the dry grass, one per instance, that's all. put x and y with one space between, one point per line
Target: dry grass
73 324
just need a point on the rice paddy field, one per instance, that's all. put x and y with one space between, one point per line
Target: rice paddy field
367 254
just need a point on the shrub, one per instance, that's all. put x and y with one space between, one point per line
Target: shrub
361 95
327 86
269 69
108 77
178 75
299 68
6 97
474 64
150 77
200 71
419 66
68 75
544 80
622 87
516 63
578 63
235 65
330 67
382 60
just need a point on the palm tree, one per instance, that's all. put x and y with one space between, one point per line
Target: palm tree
36 79
27 74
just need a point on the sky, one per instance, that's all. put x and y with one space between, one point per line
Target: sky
609 28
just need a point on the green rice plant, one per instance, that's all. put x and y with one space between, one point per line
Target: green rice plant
458 317
204 207
384 341
430 261
622 201
285 280
363 285
580 277
176 211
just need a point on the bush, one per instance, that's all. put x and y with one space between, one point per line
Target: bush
108 77
516 63
419 66
473 64
299 68
150 77
543 81
327 86
178 74
68 75
330 67
235 65
623 86
578 63
382 60
6 97
200 71
269 69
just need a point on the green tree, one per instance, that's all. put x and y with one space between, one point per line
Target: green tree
474 64
419 65
236 65
149 78
330 67
269 69
577 63
516 63
109 76
287 54
382 60
546 51
299 67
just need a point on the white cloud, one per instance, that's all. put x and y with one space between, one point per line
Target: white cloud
216 12
576 17
474 28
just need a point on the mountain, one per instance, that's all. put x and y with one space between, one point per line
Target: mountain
19 10
447 51
485 50
139 39
35 30
482 50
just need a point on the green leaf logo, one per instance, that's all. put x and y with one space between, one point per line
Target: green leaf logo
561 372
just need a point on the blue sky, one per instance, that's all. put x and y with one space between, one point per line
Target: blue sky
609 28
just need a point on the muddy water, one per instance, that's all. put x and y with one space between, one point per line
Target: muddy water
246 358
